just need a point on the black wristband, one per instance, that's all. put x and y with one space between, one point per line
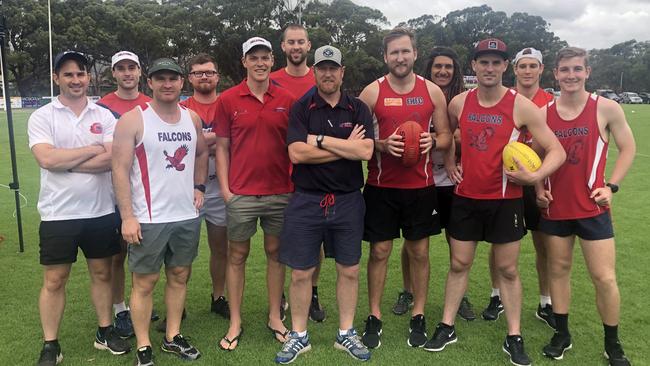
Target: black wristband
200 187
613 187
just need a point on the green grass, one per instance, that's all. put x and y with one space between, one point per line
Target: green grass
479 341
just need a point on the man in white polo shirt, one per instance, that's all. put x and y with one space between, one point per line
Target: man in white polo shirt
71 141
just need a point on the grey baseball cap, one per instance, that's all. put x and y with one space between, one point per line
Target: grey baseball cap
327 53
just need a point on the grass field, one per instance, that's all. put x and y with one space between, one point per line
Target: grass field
479 341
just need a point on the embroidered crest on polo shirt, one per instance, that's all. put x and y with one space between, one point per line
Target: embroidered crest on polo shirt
176 161
279 109
346 124
392 102
96 128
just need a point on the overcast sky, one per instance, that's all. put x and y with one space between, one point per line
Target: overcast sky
589 24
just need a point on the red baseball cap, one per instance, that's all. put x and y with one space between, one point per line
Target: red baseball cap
491 45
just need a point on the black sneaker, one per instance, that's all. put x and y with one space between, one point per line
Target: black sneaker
123 325
417 331
111 342
162 326
404 302
465 309
220 306
614 353
494 308
545 314
514 346
50 355
443 336
372 334
144 356
560 343
154 315
316 312
181 348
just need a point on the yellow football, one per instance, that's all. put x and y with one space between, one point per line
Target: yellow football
526 156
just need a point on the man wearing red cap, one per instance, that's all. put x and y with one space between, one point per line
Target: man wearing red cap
487 203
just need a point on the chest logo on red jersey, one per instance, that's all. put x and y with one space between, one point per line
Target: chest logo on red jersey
415 101
574 153
176 161
392 102
481 140
96 128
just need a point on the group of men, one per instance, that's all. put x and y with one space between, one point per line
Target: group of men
285 149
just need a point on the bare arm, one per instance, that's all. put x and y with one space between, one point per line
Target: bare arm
357 147
60 159
222 157
392 144
200 160
440 120
97 164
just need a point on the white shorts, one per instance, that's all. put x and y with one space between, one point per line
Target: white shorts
214 210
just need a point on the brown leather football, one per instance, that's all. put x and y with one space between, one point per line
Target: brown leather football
410 132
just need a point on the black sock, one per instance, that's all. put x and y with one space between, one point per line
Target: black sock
314 291
611 333
447 325
562 323
102 331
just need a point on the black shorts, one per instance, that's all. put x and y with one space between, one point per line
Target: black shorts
495 221
389 210
60 240
312 219
444 195
531 211
591 228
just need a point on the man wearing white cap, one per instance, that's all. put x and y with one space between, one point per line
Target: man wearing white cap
253 172
126 71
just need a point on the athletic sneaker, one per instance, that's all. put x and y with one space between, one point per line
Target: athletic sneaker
417 331
514 346
50 355
294 346
614 353
443 336
560 343
111 342
465 309
404 302
316 312
144 356
545 314
351 343
181 347
220 306
494 308
372 334
123 325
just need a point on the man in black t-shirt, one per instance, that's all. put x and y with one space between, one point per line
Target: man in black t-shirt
329 134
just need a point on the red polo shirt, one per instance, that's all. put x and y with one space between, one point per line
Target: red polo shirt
259 161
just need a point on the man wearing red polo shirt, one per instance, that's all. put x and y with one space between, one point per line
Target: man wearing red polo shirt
253 171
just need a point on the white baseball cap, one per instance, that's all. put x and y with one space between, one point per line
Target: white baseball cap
254 42
530 53
124 55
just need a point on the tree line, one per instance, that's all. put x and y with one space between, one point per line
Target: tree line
183 28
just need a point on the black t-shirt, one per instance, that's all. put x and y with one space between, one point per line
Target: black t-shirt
312 115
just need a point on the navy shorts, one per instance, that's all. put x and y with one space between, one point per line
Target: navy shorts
495 221
60 240
532 214
312 219
591 228
389 210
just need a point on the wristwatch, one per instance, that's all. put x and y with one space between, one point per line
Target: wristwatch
613 187
319 141
200 187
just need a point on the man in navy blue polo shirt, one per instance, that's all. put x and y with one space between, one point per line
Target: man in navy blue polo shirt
329 134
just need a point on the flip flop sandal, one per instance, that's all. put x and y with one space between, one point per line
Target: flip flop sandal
277 333
231 341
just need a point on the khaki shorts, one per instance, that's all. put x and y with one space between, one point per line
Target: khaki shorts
242 213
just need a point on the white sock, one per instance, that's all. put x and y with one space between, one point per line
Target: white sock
302 334
545 300
343 332
118 308
495 292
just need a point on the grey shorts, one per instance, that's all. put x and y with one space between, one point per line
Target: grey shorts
174 243
214 210
242 213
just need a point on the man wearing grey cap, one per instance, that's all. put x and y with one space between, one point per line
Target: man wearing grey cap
330 133
253 171
159 172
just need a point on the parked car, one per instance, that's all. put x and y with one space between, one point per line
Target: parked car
645 96
631 98
609 94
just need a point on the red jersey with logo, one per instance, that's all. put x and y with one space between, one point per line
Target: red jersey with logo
296 85
162 174
484 132
207 112
584 167
119 106
259 160
541 99
391 110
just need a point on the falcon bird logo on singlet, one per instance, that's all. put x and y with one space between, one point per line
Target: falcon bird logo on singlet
176 160
575 152
480 141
